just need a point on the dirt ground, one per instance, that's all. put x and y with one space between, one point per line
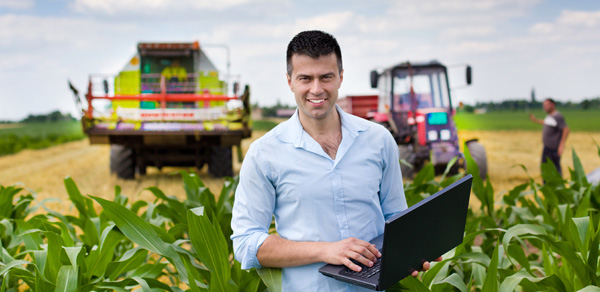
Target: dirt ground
43 171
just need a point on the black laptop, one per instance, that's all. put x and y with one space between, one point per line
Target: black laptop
423 232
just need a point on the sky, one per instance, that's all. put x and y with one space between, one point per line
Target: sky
513 46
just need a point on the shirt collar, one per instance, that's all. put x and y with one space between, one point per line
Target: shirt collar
292 132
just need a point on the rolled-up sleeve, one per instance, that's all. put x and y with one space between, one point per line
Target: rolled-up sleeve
391 194
252 210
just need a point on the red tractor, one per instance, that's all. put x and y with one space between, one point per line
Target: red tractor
415 104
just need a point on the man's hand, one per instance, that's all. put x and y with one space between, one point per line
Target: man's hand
561 148
340 253
426 266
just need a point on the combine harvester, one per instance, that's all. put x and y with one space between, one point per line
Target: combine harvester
167 107
415 104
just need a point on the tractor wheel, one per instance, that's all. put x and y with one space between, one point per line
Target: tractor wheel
220 162
407 155
478 153
122 161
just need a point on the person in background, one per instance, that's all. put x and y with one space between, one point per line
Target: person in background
554 133
174 72
330 179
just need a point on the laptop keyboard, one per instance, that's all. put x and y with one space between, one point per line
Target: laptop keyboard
365 272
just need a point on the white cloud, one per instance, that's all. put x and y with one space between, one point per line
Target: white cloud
26 30
17 4
155 7
590 19
461 32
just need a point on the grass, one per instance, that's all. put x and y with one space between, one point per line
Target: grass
38 135
263 125
577 120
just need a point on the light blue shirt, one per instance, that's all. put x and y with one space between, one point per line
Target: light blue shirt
287 174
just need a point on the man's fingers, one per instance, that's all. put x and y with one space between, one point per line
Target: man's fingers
351 265
362 259
426 266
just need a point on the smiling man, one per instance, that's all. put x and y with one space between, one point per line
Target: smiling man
330 179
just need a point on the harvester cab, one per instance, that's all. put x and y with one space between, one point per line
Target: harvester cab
415 103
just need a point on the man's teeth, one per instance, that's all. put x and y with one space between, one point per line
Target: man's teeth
316 100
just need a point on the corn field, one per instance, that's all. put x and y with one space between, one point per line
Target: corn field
536 237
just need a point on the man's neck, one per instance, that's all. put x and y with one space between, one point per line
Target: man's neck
330 125
327 132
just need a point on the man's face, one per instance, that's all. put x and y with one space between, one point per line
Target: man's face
315 83
548 106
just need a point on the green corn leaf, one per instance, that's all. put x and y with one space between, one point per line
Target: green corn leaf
65 234
578 171
491 279
519 230
149 270
90 235
176 207
590 289
427 173
413 284
67 279
579 228
141 233
477 184
193 276
551 282
79 200
6 200
436 273
247 280
569 254
73 256
454 280
550 174
16 264
594 245
131 260
211 248
98 259
272 278
41 283
29 235
143 284
516 252
53 263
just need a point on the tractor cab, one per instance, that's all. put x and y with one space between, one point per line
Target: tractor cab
416 105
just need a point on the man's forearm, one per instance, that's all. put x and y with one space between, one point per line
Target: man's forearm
277 252
563 140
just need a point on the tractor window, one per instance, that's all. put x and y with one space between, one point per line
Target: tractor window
425 89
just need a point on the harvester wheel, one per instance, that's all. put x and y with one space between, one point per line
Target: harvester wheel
478 153
122 161
407 155
220 162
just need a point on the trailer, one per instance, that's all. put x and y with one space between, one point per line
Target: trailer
167 107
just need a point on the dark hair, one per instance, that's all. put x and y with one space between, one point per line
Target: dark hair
314 44
551 100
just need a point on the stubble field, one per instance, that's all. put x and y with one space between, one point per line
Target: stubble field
43 171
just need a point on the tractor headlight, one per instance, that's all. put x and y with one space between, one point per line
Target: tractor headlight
445 134
432 135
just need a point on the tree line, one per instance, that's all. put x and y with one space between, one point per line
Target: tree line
54 116
522 104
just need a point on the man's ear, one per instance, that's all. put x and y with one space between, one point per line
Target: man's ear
289 79
341 77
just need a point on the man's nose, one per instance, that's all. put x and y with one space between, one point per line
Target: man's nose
316 88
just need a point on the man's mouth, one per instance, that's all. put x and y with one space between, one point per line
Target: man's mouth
316 101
